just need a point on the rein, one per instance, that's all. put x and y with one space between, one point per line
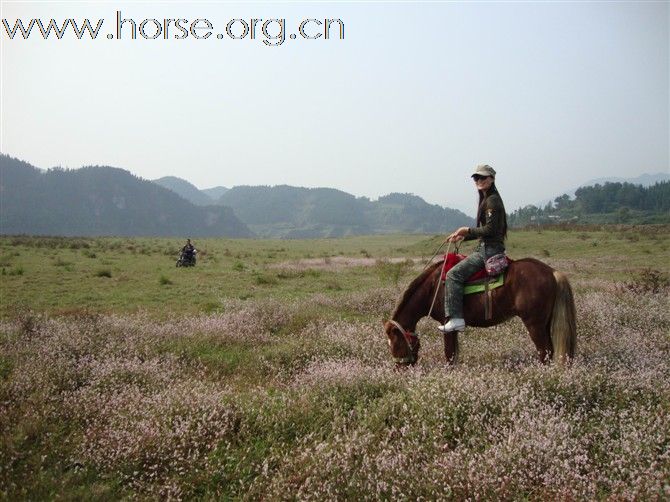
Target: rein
409 337
435 254
437 288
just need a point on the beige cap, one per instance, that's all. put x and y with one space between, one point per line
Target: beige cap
484 170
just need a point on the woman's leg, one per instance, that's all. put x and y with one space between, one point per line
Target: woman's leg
456 278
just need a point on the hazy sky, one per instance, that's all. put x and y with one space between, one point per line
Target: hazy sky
552 94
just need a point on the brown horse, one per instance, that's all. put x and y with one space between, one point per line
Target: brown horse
539 295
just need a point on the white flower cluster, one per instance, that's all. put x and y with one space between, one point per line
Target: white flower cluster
271 400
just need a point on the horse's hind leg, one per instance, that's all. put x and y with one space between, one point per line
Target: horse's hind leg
451 347
539 333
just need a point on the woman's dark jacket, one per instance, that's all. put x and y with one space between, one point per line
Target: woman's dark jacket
491 221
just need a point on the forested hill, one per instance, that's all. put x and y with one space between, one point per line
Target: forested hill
296 212
608 203
190 192
186 190
101 201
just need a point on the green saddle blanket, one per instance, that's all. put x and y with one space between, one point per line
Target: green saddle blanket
479 288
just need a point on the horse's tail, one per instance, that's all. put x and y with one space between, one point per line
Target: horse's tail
563 321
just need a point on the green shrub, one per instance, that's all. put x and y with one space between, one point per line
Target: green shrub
210 307
389 271
647 281
265 279
333 285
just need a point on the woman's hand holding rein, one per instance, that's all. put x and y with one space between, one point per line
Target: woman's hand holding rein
458 235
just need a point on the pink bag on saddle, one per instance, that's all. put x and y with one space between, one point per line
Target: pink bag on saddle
496 264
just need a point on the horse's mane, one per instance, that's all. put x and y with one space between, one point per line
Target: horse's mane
414 285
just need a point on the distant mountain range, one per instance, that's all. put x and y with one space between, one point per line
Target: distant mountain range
102 200
190 192
215 192
297 212
186 190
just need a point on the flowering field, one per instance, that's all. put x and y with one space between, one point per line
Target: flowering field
293 395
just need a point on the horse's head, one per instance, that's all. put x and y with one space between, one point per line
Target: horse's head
404 344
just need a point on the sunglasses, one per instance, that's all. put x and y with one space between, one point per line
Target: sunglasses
477 177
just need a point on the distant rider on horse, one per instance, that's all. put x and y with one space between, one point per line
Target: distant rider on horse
491 230
188 250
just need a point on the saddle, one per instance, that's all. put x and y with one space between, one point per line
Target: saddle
479 277
478 282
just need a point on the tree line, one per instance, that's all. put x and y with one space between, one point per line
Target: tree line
608 203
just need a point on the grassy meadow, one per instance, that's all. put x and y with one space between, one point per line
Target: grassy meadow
263 373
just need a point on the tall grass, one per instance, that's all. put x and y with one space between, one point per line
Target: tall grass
279 399
263 373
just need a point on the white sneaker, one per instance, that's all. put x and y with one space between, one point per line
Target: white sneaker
452 325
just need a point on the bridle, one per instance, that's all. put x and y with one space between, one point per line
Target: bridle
409 337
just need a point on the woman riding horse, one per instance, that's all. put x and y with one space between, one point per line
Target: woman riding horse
491 231
532 290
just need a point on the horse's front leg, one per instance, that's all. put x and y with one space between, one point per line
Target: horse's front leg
451 347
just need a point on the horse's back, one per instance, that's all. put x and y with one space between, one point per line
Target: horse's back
529 266
531 263
529 286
